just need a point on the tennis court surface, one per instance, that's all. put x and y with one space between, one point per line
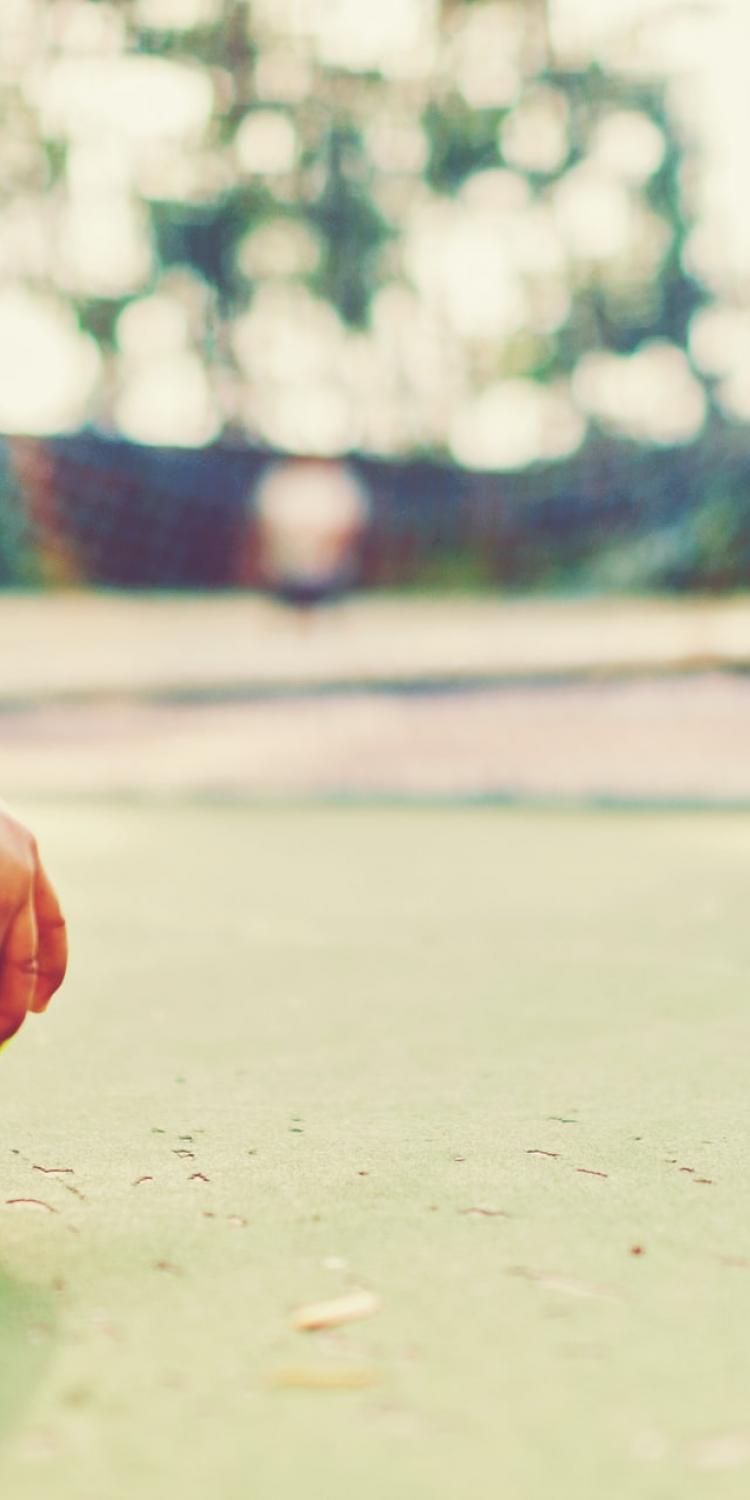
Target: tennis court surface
483 1069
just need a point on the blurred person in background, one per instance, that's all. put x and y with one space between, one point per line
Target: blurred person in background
311 517
33 941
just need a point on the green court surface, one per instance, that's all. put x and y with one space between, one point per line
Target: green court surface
489 1065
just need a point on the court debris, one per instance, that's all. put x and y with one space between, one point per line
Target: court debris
568 1286
336 1311
482 1212
34 1203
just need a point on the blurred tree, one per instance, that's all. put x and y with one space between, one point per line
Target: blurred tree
497 232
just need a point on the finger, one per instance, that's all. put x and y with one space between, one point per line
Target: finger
18 970
53 940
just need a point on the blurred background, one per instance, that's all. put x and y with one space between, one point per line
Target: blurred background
375 390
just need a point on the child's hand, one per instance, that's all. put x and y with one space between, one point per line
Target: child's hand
33 943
